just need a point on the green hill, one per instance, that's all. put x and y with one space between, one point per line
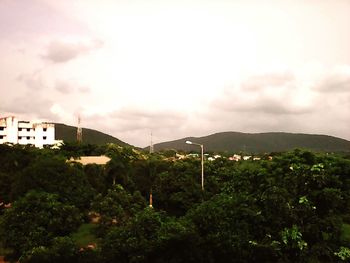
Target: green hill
69 134
259 142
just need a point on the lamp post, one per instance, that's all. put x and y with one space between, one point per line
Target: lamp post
202 159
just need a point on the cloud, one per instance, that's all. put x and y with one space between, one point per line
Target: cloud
262 106
21 19
275 80
134 124
30 103
279 106
335 83
68 87
178 71
33 81
59 112
138 113
63 51
296 103
272 94
84 89
136 118
37 81
63 87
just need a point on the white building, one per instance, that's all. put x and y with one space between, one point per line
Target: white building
235 157
14 131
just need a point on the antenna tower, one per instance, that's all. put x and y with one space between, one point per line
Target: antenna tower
79 131
151 147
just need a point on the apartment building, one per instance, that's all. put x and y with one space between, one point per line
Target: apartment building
15 131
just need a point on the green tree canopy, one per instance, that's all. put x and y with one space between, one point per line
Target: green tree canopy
36 219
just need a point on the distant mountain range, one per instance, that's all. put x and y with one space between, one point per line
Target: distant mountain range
222 142
69 134
259 142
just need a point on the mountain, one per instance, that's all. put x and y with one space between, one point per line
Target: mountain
69 134
259 142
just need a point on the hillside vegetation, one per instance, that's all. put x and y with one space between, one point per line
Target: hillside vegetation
260 142
69 134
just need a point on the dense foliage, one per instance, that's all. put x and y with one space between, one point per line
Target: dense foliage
294 207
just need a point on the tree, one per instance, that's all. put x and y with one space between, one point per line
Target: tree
55 175
134 241
60 249
150 236
116 207
13 160
118 169
228 229
36 219
95 175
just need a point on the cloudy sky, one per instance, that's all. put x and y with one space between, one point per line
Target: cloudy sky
178 67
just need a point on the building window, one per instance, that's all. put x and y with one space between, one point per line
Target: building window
2 128
44 137
28 138
19 129
28 129
1 137
45 129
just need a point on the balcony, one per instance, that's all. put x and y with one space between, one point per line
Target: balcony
26 140
25 133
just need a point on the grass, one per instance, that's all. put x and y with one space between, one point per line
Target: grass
85 235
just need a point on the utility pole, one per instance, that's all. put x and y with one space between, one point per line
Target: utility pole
150 199
79 131
151 151
202 160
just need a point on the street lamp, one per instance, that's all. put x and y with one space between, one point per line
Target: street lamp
202 159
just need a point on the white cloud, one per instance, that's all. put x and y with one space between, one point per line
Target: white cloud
33 81
63 51
337 81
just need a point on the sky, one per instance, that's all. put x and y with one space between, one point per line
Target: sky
178 68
